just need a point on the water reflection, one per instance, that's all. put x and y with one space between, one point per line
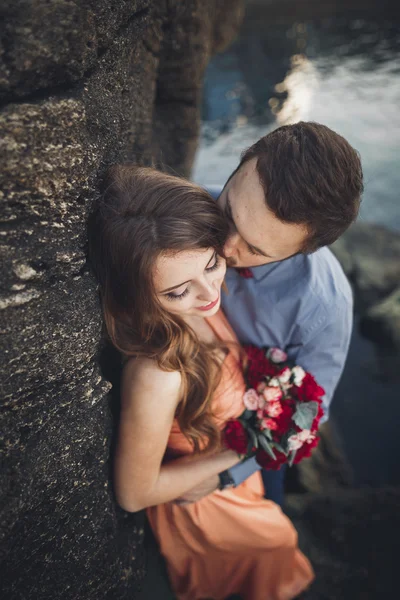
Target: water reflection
299 85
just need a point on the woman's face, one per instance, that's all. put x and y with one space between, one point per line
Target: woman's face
189 283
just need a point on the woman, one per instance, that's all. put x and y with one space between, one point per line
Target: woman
156 244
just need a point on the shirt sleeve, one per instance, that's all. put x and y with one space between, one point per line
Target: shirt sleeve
243 470
325 348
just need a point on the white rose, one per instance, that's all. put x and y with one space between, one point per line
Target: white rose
299 374
285 375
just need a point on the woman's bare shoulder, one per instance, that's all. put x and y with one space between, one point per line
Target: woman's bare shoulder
143 376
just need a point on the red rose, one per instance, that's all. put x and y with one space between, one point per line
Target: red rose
235 437
266 462
317 419
258 366
309 389
284 420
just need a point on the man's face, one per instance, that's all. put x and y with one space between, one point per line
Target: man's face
257 236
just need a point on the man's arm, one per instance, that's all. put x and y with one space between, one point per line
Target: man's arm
325 349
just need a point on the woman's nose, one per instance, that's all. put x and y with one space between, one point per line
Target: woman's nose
208 291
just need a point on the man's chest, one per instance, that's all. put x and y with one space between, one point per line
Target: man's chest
263 318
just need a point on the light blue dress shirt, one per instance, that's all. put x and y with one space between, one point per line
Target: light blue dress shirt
304 306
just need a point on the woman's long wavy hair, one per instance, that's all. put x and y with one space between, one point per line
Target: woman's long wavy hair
142 214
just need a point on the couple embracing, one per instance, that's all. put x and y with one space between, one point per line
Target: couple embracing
160 247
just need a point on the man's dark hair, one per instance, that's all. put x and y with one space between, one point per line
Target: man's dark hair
311 176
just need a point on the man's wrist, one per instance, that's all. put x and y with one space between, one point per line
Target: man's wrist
225 480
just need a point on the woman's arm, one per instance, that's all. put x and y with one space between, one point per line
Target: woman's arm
149 398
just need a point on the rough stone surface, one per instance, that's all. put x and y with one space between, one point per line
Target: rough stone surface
83 85
49 43
194 32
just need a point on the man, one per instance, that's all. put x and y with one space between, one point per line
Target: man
294 192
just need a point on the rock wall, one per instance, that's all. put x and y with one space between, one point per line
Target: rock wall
82 85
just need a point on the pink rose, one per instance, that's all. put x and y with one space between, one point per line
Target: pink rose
277 355
261 402
268 424
271 394
304 435
295 442
250 399
261 387
273 408
307 436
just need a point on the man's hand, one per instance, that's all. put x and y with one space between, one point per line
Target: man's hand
208 486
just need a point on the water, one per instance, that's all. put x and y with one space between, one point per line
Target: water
343 72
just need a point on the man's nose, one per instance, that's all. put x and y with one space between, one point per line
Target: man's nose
230 246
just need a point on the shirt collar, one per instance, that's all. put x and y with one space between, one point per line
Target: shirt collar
263 270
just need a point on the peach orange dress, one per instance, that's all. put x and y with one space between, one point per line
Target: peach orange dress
232 541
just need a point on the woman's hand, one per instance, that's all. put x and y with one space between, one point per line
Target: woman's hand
206 487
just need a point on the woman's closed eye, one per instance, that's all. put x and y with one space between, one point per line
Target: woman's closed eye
214 265
174 296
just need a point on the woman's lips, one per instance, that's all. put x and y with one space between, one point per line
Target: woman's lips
209 306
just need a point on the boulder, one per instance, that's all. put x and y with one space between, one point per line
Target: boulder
381 324
370 257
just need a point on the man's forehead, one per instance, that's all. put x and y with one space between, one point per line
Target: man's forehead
258 224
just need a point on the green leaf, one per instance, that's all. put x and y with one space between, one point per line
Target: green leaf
253 437
279 448
292 457
305 414
267 433
247 414
266 446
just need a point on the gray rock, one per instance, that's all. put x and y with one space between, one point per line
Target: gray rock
84 85
381 324
370 257
55 43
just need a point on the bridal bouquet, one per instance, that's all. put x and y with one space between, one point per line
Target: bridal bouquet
282 410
